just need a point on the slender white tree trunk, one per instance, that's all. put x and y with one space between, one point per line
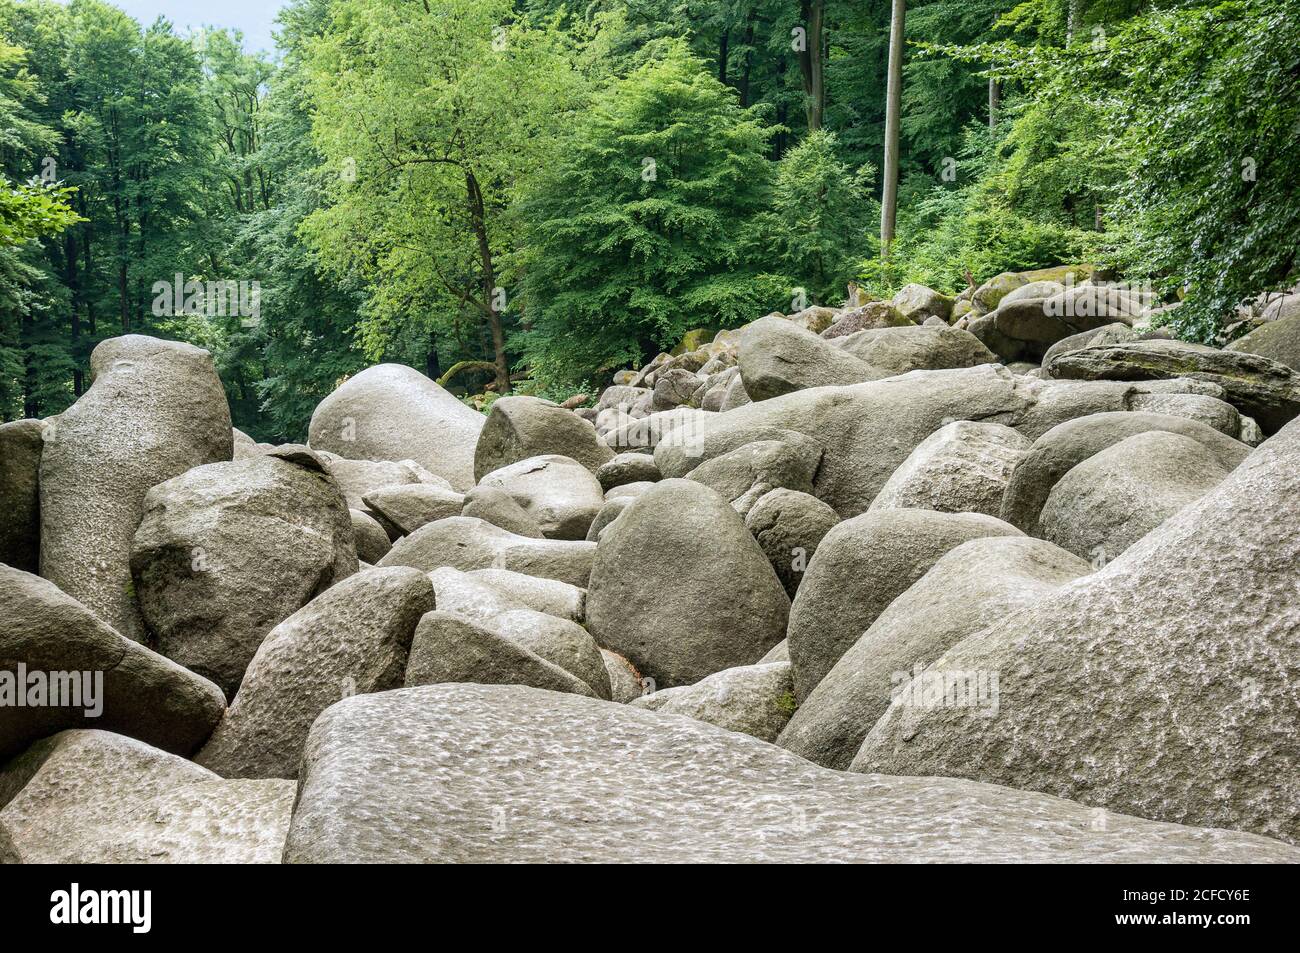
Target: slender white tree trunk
893 106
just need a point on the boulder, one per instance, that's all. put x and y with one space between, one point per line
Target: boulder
1111 500
1162 685
815 319
518 428
138 692
917 303
680 588
1278 340
524 776
676 387
352 638
20 494
403 509
1065 446
1117 332
872 315
990 294
228 550
868 430
94 797
463 542
628 468
972 586
1211 411
788 526
752 699
1259 386
155 409
558 493
620 397
464 595
450 648
545 595
372 540
745 474
1036 290
611 511
393 412
646 433
357 479
861 566
561 642
499 508
961 468
777 357
899 350
624 679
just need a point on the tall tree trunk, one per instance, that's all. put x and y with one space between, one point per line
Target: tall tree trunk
749 59
995 101
724 46
1073 13
478 218
893 107
811 61
432 366
73 281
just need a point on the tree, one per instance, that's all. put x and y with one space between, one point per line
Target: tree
893 104
643 228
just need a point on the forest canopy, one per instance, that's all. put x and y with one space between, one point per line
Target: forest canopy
529 195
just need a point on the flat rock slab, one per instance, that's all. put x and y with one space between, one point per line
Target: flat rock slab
510 774
94 797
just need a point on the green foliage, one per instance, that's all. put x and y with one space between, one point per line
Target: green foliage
643 227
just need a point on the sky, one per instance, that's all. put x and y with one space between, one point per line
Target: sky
254 17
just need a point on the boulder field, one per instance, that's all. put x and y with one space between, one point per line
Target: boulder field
995 577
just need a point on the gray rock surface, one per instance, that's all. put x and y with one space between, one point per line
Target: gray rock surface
624 679
1115 497
351 639
94 797
404 509
464 595
466 543
496 506
393 412
681 589
450 648
545 595
1063 447
969 588
1164 685
226 551
755 700
1258 386
357 479
788 526
558 493
742 476
903 349
155 409
861 566
20 494
613 784
371 539
1278 340
778 357
963 467
560 641
521 427
143 694
626 468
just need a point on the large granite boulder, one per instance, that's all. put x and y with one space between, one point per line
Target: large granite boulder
357 479
788 526
969 588
861 566
961 468
899 350
558 493
20 494
463 542
1277 340
51 637
1065 446
155 409
777 357
1163 685
753 699
681 589
226 551
404 508
1111 500
393 412
352 638
94 797
1261 387
523 775
521 427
